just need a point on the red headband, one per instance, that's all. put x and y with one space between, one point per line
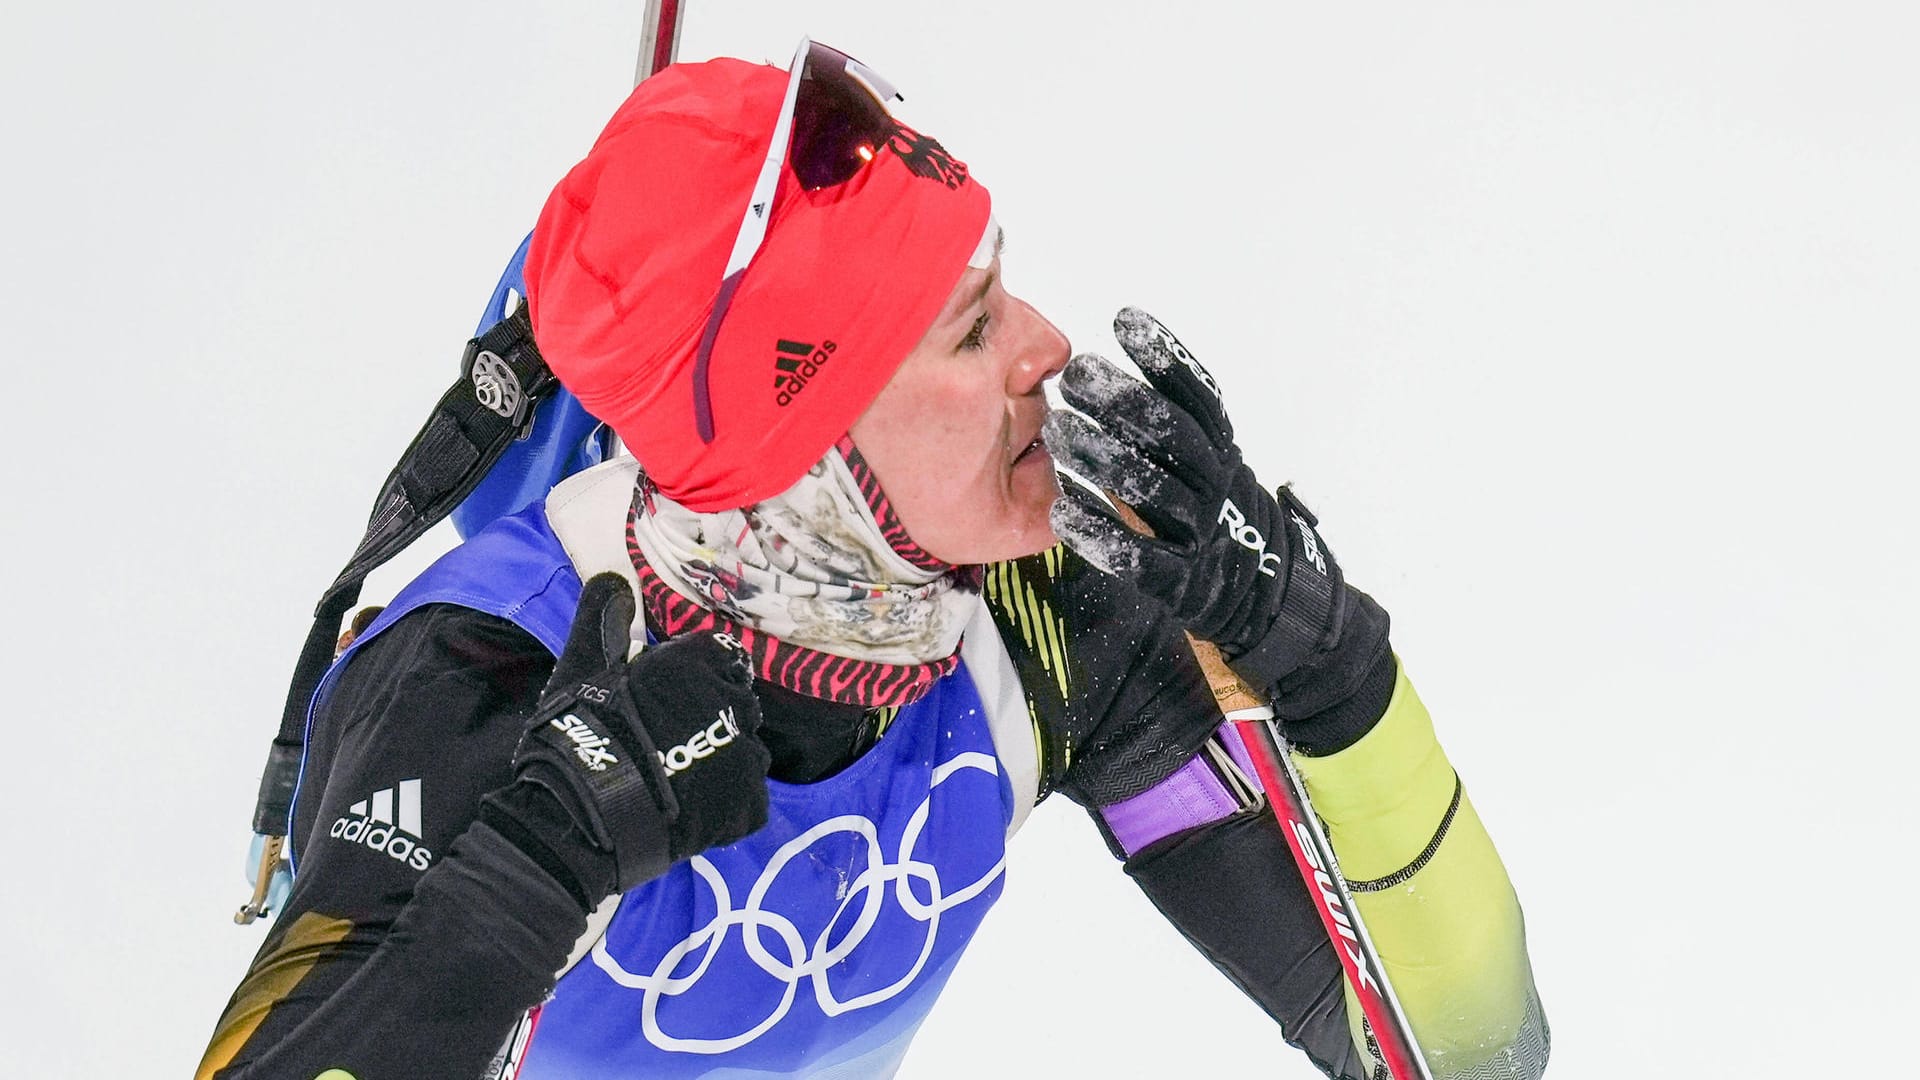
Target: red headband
628 254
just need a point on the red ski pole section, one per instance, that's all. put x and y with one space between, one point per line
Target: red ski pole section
1314 858
659 39
666 34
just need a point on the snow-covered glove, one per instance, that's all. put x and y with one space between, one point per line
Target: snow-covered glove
656 758
1240 568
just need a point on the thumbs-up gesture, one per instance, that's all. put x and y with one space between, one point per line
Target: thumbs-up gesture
656 758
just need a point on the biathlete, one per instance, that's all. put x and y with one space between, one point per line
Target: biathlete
708 764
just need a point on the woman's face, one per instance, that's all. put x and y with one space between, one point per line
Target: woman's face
954 437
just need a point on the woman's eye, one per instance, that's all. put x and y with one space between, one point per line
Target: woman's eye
977 336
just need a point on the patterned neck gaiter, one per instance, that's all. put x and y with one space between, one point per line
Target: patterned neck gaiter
820 583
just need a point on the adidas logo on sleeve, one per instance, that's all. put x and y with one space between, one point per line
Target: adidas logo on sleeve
387 821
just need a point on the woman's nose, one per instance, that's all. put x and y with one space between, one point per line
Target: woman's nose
1041 350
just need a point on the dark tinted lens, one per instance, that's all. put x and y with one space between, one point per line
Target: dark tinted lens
838 124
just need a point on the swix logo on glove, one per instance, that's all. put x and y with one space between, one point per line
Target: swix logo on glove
1249 537
702 744
1309 544
588 745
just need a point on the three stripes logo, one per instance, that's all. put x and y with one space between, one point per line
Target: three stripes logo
387 823
794 364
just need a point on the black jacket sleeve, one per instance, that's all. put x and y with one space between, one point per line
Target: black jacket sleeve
1231 890
1121 704
1118 700
394 956
435 897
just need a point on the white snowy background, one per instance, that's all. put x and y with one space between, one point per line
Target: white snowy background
1588 329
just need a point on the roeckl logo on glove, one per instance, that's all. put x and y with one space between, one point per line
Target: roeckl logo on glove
1249 537
702 744
588 745
1186 359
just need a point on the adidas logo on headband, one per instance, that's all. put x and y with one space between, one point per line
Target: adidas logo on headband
794 363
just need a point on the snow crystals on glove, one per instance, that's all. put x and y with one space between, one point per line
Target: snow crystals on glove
1152 345
1091 451
1094 535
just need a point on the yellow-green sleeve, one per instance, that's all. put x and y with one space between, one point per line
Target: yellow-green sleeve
1434 895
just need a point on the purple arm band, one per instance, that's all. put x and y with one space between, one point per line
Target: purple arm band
1191 797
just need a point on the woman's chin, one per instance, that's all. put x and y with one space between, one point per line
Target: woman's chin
1011 526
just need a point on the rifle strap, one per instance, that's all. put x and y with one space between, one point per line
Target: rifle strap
502 378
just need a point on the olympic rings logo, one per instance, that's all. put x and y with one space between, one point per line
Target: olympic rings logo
803 962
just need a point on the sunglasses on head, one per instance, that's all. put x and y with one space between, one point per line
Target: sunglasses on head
833 122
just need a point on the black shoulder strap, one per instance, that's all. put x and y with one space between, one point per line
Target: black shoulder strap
502 378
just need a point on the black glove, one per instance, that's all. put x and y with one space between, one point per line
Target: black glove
1241 568
655 759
